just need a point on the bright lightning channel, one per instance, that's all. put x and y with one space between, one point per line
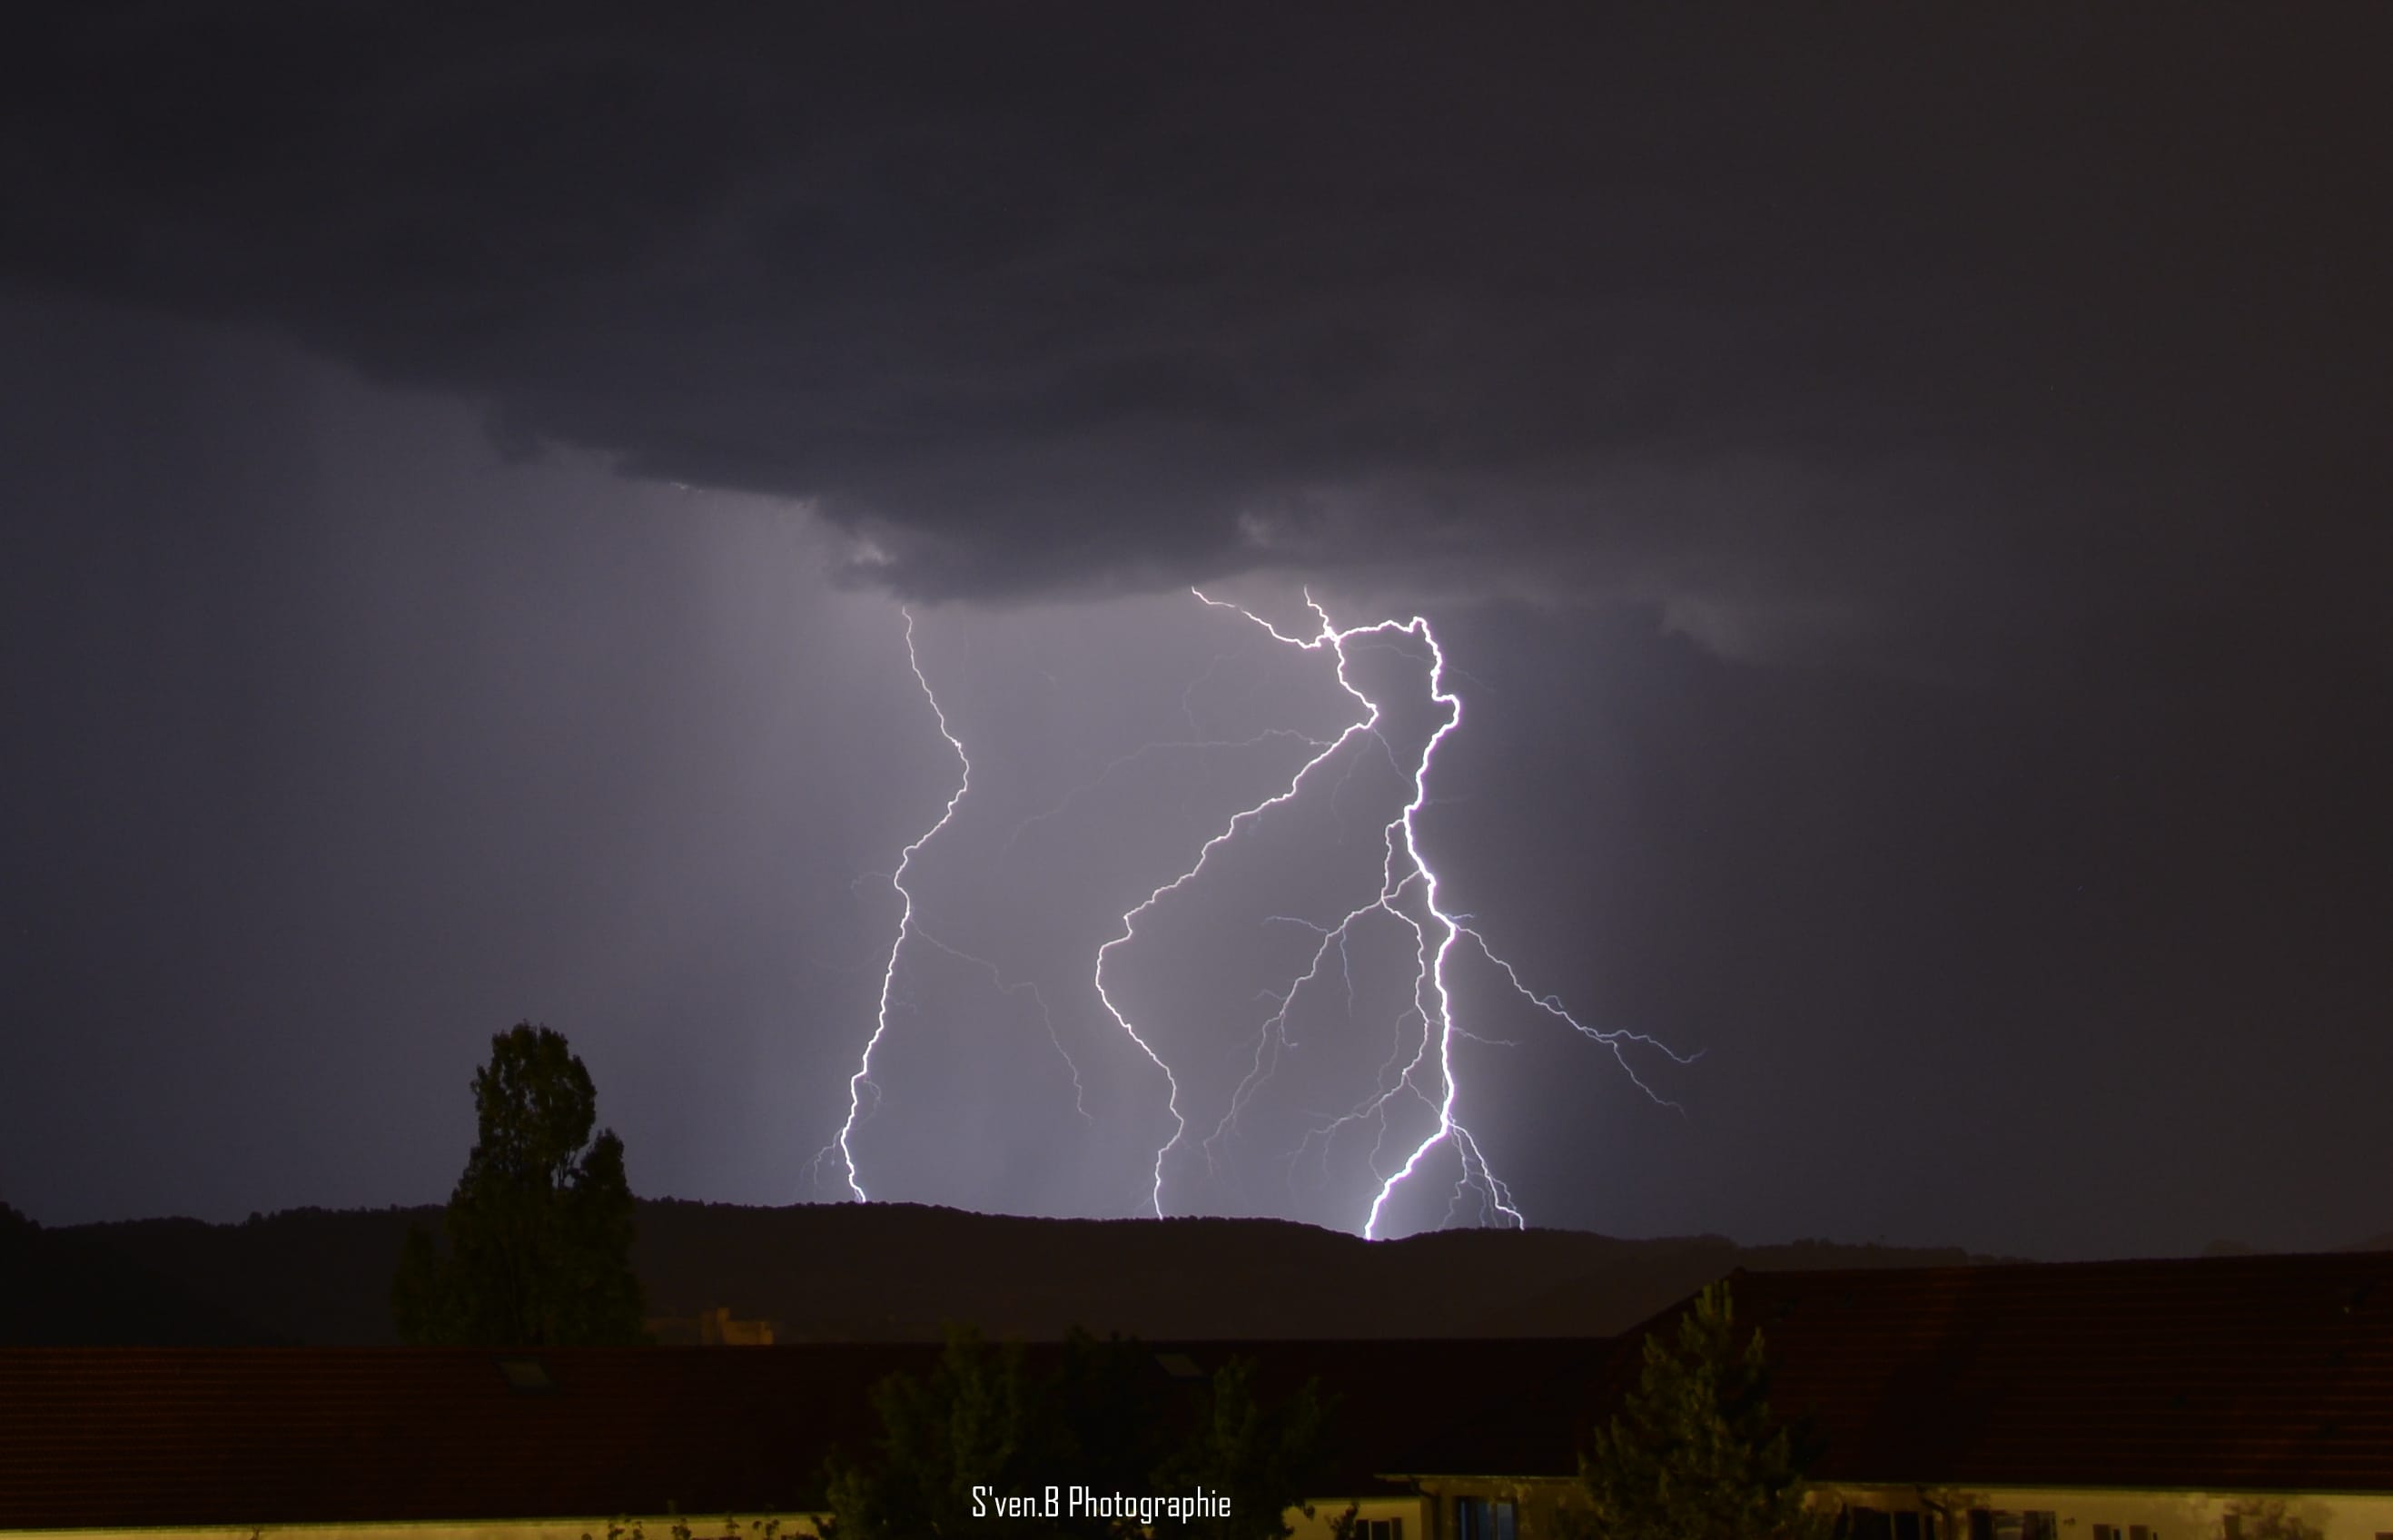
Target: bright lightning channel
1369 723
908 926
1404 870
1087 787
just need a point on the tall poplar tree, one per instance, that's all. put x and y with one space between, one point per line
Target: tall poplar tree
538 1228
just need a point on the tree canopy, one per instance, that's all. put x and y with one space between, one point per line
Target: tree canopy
1693 1452
538 1227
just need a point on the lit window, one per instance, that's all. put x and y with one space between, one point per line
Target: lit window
2031 1524
1379 1529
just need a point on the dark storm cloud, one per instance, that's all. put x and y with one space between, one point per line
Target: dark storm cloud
1894 324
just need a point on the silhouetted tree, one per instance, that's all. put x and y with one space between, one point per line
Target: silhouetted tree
968 1423
1693 1452
1103 1419
539 1225
1266 1457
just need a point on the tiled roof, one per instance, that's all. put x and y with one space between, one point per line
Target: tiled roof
1454 1406
2248 1373
2218 1374
134 1436
130 1436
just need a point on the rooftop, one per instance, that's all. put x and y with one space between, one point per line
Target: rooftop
2213 1374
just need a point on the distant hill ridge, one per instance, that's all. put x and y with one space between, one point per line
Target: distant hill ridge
897 1271
61 1288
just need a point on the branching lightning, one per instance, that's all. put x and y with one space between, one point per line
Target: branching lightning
1420 1069
1369 723
1409 894
1071 798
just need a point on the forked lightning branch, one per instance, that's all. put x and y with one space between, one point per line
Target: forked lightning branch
1424 1076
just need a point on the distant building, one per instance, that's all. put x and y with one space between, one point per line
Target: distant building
710 1328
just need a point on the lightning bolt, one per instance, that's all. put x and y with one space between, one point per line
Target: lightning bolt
1148 750
906 927
1369 723
1409 894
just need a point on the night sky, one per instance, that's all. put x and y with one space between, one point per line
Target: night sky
1902 496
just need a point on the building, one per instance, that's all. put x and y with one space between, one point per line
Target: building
716 1327
2238 1398
2207 1398
457 1443
2246 1398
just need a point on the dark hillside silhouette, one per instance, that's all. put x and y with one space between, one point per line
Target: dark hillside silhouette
897 1271
65 1289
